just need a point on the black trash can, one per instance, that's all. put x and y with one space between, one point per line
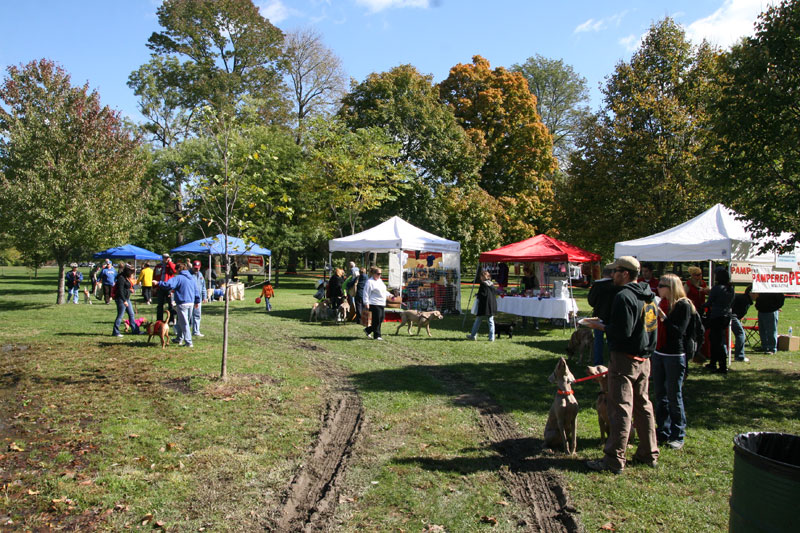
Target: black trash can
766 483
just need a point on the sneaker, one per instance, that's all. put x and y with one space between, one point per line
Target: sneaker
651 464
197 335
710 366
600 466
187 345
723 371
118 335
743 359
491 340
470 337
379 339
176 340
675 444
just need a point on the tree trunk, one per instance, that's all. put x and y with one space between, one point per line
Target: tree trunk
223 373
60 298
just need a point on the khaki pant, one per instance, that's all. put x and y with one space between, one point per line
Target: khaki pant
628 397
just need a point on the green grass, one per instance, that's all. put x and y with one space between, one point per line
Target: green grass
113 430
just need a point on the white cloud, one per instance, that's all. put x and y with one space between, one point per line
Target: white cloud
275 11
600 24
724 27
631 42
375 6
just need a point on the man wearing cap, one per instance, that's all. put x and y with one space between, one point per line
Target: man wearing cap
200 283
631 332
165 273
186 297
73 282
601 297
108 277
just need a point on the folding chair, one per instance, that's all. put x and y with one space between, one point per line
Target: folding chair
750 327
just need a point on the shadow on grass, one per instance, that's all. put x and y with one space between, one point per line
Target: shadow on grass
711 401
5 305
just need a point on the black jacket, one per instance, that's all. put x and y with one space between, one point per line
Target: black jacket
675 324
741 304
487 299
601 297
123 289
720 300
769 302
625 330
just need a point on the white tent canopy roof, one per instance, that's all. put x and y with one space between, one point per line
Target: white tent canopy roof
394 234
714 235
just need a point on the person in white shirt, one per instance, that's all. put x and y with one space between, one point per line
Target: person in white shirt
375 301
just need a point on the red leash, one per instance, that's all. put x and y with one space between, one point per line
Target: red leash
591 377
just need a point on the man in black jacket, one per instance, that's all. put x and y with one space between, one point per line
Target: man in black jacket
768 304
601 296
631 332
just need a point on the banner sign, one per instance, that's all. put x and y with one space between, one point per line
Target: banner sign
765 280
741 272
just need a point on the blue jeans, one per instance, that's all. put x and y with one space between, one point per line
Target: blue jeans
599 346
196 316
269 306
768 330
738 336
121 310
667 372
73 293
477 324
183 326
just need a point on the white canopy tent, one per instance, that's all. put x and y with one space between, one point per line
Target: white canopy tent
392 237
714 235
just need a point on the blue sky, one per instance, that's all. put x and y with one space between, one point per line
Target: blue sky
102 41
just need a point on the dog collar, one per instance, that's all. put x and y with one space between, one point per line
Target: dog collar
565 392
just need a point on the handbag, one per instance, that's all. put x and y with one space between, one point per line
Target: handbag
366 318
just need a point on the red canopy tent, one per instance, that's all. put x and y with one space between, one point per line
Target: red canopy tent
541 248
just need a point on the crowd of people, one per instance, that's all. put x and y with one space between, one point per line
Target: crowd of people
690 321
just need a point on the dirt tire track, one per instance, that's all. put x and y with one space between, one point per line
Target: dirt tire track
538 489
314 491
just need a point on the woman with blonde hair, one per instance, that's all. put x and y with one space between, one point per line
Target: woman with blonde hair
669 361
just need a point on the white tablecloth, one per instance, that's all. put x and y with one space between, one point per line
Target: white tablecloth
544 308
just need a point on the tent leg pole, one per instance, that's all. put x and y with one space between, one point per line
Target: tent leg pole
571 295
270 269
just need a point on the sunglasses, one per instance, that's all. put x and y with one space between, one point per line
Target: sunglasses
620 270
661 286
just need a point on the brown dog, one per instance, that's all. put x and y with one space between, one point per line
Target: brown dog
562 422
602 402
421 319
160 328
342 311
319 311
580 343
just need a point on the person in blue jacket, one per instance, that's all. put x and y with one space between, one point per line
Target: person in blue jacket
187 298
73 282
108 276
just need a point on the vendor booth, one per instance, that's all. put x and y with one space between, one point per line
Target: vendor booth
249 256
555 259
128 251
425 267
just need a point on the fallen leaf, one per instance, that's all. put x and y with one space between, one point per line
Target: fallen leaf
147 518
158 524
33 492
433 528
489 520
14 447
86 482
133 436
171 445
228 399
608 526
503 503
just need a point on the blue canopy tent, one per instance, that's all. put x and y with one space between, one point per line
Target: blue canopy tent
128 251
216 246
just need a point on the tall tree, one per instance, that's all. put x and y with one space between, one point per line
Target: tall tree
316 77
70 170
498 112
561 99
756 162
638 167
351 172
229 54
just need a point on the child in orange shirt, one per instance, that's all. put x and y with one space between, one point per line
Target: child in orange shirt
267 292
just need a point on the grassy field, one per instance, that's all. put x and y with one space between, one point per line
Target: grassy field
108 433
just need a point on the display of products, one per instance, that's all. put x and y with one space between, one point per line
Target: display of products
426 289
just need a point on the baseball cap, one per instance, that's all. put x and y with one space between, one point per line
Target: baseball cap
165 256
73 265
196 264
627 262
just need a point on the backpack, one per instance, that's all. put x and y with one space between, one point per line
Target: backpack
695 334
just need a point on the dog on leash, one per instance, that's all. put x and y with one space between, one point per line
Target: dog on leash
342 311
602 400
319 311
580 343
421 319
161 329
560 432
504 327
